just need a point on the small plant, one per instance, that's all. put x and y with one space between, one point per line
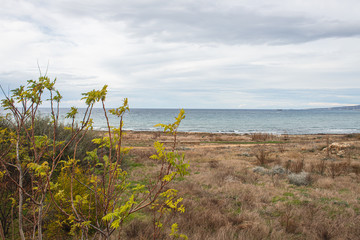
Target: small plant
337 168
276 170
327 146
319 167
286 137
300 179
260 170
214 164
287 220
296 166
281 147
261 137
287 165
355 168
262 155
279 170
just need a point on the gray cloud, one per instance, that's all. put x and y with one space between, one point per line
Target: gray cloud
237 27
210 22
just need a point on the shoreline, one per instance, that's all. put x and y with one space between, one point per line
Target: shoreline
205 140
236 133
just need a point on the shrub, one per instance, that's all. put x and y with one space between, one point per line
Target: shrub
93 195
278 170
261 137
262 155
355 168
260 170
214 164
300 179
337 168
296 166
319 167
43 126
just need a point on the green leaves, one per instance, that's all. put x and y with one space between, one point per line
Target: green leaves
7 103
40 170
165 205
96 194
120 111
177 161
172 127
120 213
19 93
160 149
171 202
32 94
72 113
2 174
95 96
41 141
81 200
169 177
173 164
6 136
174 232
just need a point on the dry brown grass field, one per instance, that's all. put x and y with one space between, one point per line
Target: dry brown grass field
258 186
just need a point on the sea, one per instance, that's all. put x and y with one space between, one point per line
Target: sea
240 121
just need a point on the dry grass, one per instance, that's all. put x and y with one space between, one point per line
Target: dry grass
262 154
262 137
225 199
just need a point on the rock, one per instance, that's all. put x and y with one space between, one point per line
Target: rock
337 148
341 153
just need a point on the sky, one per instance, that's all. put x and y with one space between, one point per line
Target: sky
247 54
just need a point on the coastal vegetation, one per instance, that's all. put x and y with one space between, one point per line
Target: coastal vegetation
306 188
118 184
67 182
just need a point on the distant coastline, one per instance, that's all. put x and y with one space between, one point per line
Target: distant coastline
355 107
336 120
351 107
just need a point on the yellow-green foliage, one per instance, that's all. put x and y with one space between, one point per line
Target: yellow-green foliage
172 127
177 161
88 196
174 232
120 111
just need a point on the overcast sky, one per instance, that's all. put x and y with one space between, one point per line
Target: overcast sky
187 53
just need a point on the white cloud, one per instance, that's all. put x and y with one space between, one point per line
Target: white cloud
186 53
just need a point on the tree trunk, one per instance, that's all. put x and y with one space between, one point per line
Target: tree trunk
21 194
21 201
2 236
12 223
40 213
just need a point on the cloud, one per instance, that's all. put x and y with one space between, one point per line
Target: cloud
159 53
223 22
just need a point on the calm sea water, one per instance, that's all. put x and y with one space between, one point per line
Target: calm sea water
236 121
